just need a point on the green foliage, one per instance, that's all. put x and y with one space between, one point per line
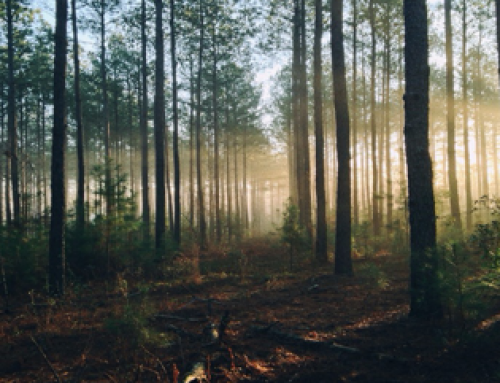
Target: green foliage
486 240
470 274
109 242
293 234
376 277
24 257
131 326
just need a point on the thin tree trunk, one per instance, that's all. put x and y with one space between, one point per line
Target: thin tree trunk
144 128
11 115
321 230
159 129
168 184
450 102
177 170
80 198
218 226
375 195
105 112
355 111
228 182
191 143
201 205
303 160
465 111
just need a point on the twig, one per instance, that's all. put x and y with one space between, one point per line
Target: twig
157 361
175 317
56 375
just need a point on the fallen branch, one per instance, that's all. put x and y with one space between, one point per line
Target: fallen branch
56 375
176 317
180 331
317 344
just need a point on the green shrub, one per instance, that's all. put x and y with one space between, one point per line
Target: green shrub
293 234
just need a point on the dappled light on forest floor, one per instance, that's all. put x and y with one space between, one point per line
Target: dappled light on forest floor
305 326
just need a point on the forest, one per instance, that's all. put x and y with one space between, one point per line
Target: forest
249 191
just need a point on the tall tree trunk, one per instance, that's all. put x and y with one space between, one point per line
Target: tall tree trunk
144 127
177 170
167 182
450 119
191 142
228 182
424 298
303 160
201 206
355 111
373 124
80 198
2 143
58 202
343 262
11 115
296 100
244 176
105 113
321 230
218 226
159 128
497 18
387 118
237 218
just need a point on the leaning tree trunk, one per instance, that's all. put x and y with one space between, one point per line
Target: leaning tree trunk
424 297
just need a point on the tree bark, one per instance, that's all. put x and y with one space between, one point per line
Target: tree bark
105 112
373 125
144 127
424 294
201 206
218 225
177 170
58 200
159 129
450 119
321 229
80 198
11 116
343 262
355 187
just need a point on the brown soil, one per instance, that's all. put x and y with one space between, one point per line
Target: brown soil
281 330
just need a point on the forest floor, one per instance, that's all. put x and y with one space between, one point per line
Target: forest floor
301 326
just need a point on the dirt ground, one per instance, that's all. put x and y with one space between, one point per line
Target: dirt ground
305 326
